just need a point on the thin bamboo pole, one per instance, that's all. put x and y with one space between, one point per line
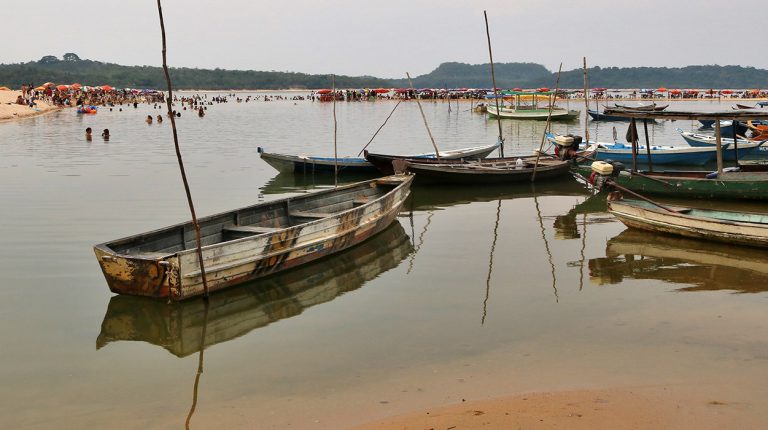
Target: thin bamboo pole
548 124
429 132
495 90
335 151
377 131
647 145
586 105
719 145
178 154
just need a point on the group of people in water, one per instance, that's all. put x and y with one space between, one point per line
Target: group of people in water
89 134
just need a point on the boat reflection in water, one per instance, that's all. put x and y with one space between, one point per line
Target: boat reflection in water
232 313
703 266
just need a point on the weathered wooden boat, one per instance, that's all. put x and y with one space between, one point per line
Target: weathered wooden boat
383 162
637 254
745 147
489 171
731 184
251 242
232 313
734 227
356 165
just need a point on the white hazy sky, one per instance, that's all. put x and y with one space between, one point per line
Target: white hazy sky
385 38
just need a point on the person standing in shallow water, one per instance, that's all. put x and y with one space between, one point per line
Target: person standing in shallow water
201 112
105 134
159 119
88 134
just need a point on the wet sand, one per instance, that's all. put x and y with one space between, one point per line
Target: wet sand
617 409
10 110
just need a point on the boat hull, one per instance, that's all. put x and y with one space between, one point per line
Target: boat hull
304 237
532 114
745 147
635 215
731 186
461 174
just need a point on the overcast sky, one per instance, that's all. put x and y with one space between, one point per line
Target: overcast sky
386 38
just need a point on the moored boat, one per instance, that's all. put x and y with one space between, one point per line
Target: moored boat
357 165
251 242
745 147
732 183
490 171
733 227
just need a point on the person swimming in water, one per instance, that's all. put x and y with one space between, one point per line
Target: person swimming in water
105 134
88 134
159 119
149 119
201 112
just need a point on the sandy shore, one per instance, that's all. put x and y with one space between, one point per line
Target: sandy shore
10 110
617 409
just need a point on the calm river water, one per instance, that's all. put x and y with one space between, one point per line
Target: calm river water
473 293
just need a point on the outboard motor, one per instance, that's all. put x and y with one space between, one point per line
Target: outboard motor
566 146
604 170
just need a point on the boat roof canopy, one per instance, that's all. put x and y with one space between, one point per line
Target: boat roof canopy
738 115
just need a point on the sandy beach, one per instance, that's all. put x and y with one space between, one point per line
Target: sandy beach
637 408
10 110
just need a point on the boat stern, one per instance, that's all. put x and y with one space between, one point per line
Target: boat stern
150 276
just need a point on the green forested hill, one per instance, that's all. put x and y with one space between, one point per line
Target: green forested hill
71 68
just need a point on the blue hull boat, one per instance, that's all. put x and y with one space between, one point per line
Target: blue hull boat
745 147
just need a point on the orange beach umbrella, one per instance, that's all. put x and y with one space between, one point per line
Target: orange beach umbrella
323 91
4 89
662 90
62 88
107 88
382 91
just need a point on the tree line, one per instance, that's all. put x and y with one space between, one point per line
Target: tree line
71 68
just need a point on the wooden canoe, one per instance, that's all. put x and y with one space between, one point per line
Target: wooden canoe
251 242
383 162
234 312
354 165
488 171
742 228
539 114
739 185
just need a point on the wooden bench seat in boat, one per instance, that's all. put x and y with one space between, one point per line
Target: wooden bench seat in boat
239 231
313 215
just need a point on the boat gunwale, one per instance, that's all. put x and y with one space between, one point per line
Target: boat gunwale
106 246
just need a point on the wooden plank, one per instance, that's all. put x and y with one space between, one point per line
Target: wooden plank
249 229
304 214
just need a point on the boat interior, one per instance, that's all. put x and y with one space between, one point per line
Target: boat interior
254 220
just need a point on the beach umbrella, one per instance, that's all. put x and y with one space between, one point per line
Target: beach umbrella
381 91
324 91
517 89
76 86
754 92
107 88
726 92
599 90
4 89
662 90
543 89
674 91
62 88
40 88
48 84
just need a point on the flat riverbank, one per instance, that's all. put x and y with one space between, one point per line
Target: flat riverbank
10 110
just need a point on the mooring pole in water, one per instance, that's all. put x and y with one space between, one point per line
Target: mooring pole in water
424 117
335 151
548 124
178 155
586 105
495 90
